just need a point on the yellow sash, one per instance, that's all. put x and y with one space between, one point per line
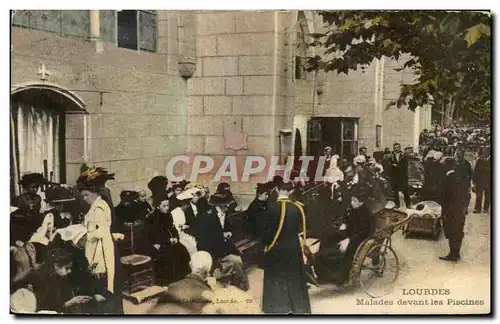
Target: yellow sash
302 235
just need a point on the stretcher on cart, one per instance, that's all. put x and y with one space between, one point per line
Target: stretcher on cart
425 219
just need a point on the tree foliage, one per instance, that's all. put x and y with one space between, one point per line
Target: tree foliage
449 54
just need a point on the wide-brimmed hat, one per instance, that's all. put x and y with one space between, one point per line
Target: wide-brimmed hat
32 178
219 199
188 194
58 194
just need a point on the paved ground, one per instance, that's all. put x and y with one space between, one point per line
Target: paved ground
466 281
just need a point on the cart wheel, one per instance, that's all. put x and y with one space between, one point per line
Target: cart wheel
379 270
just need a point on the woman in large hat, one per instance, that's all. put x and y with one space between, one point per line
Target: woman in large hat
99 249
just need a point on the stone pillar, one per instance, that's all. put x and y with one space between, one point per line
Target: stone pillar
94 25
186 24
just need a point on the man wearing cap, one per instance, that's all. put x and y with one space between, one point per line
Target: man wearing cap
285 285
214 233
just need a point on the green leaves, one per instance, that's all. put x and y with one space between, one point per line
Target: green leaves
449 50
474 33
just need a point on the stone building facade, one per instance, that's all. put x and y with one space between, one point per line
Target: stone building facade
188 82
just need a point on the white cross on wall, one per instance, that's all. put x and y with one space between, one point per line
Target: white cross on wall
44 73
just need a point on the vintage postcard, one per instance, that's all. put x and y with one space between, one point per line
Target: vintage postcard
250 162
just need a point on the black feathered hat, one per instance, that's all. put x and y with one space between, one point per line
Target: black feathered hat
93 178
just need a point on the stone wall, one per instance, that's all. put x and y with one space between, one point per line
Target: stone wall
236 87
137 102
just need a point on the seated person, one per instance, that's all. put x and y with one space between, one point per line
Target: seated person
53 289
214 234
127 210
177 189
225 188
337 250
186 216
55 217
143 205
25 220
171 258
187 296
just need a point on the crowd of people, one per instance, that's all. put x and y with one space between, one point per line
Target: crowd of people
68 244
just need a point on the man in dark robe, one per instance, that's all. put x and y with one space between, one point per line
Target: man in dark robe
399 175
285 281
482 182
453 201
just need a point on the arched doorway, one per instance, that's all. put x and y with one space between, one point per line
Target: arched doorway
38 131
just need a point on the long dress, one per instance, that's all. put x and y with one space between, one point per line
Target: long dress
171 259
285 285
100 249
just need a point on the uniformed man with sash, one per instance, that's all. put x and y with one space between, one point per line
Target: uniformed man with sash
285 280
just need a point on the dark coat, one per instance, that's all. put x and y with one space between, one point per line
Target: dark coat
360 225
285 283
190 218
464 171
399 170
482 173
210 235
434 176
254 216
454 199
172 259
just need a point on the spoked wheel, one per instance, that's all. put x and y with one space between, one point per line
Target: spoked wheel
379 271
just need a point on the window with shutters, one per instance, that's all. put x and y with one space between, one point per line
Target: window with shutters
73 23
136 30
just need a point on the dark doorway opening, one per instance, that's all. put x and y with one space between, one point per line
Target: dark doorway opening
337 132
